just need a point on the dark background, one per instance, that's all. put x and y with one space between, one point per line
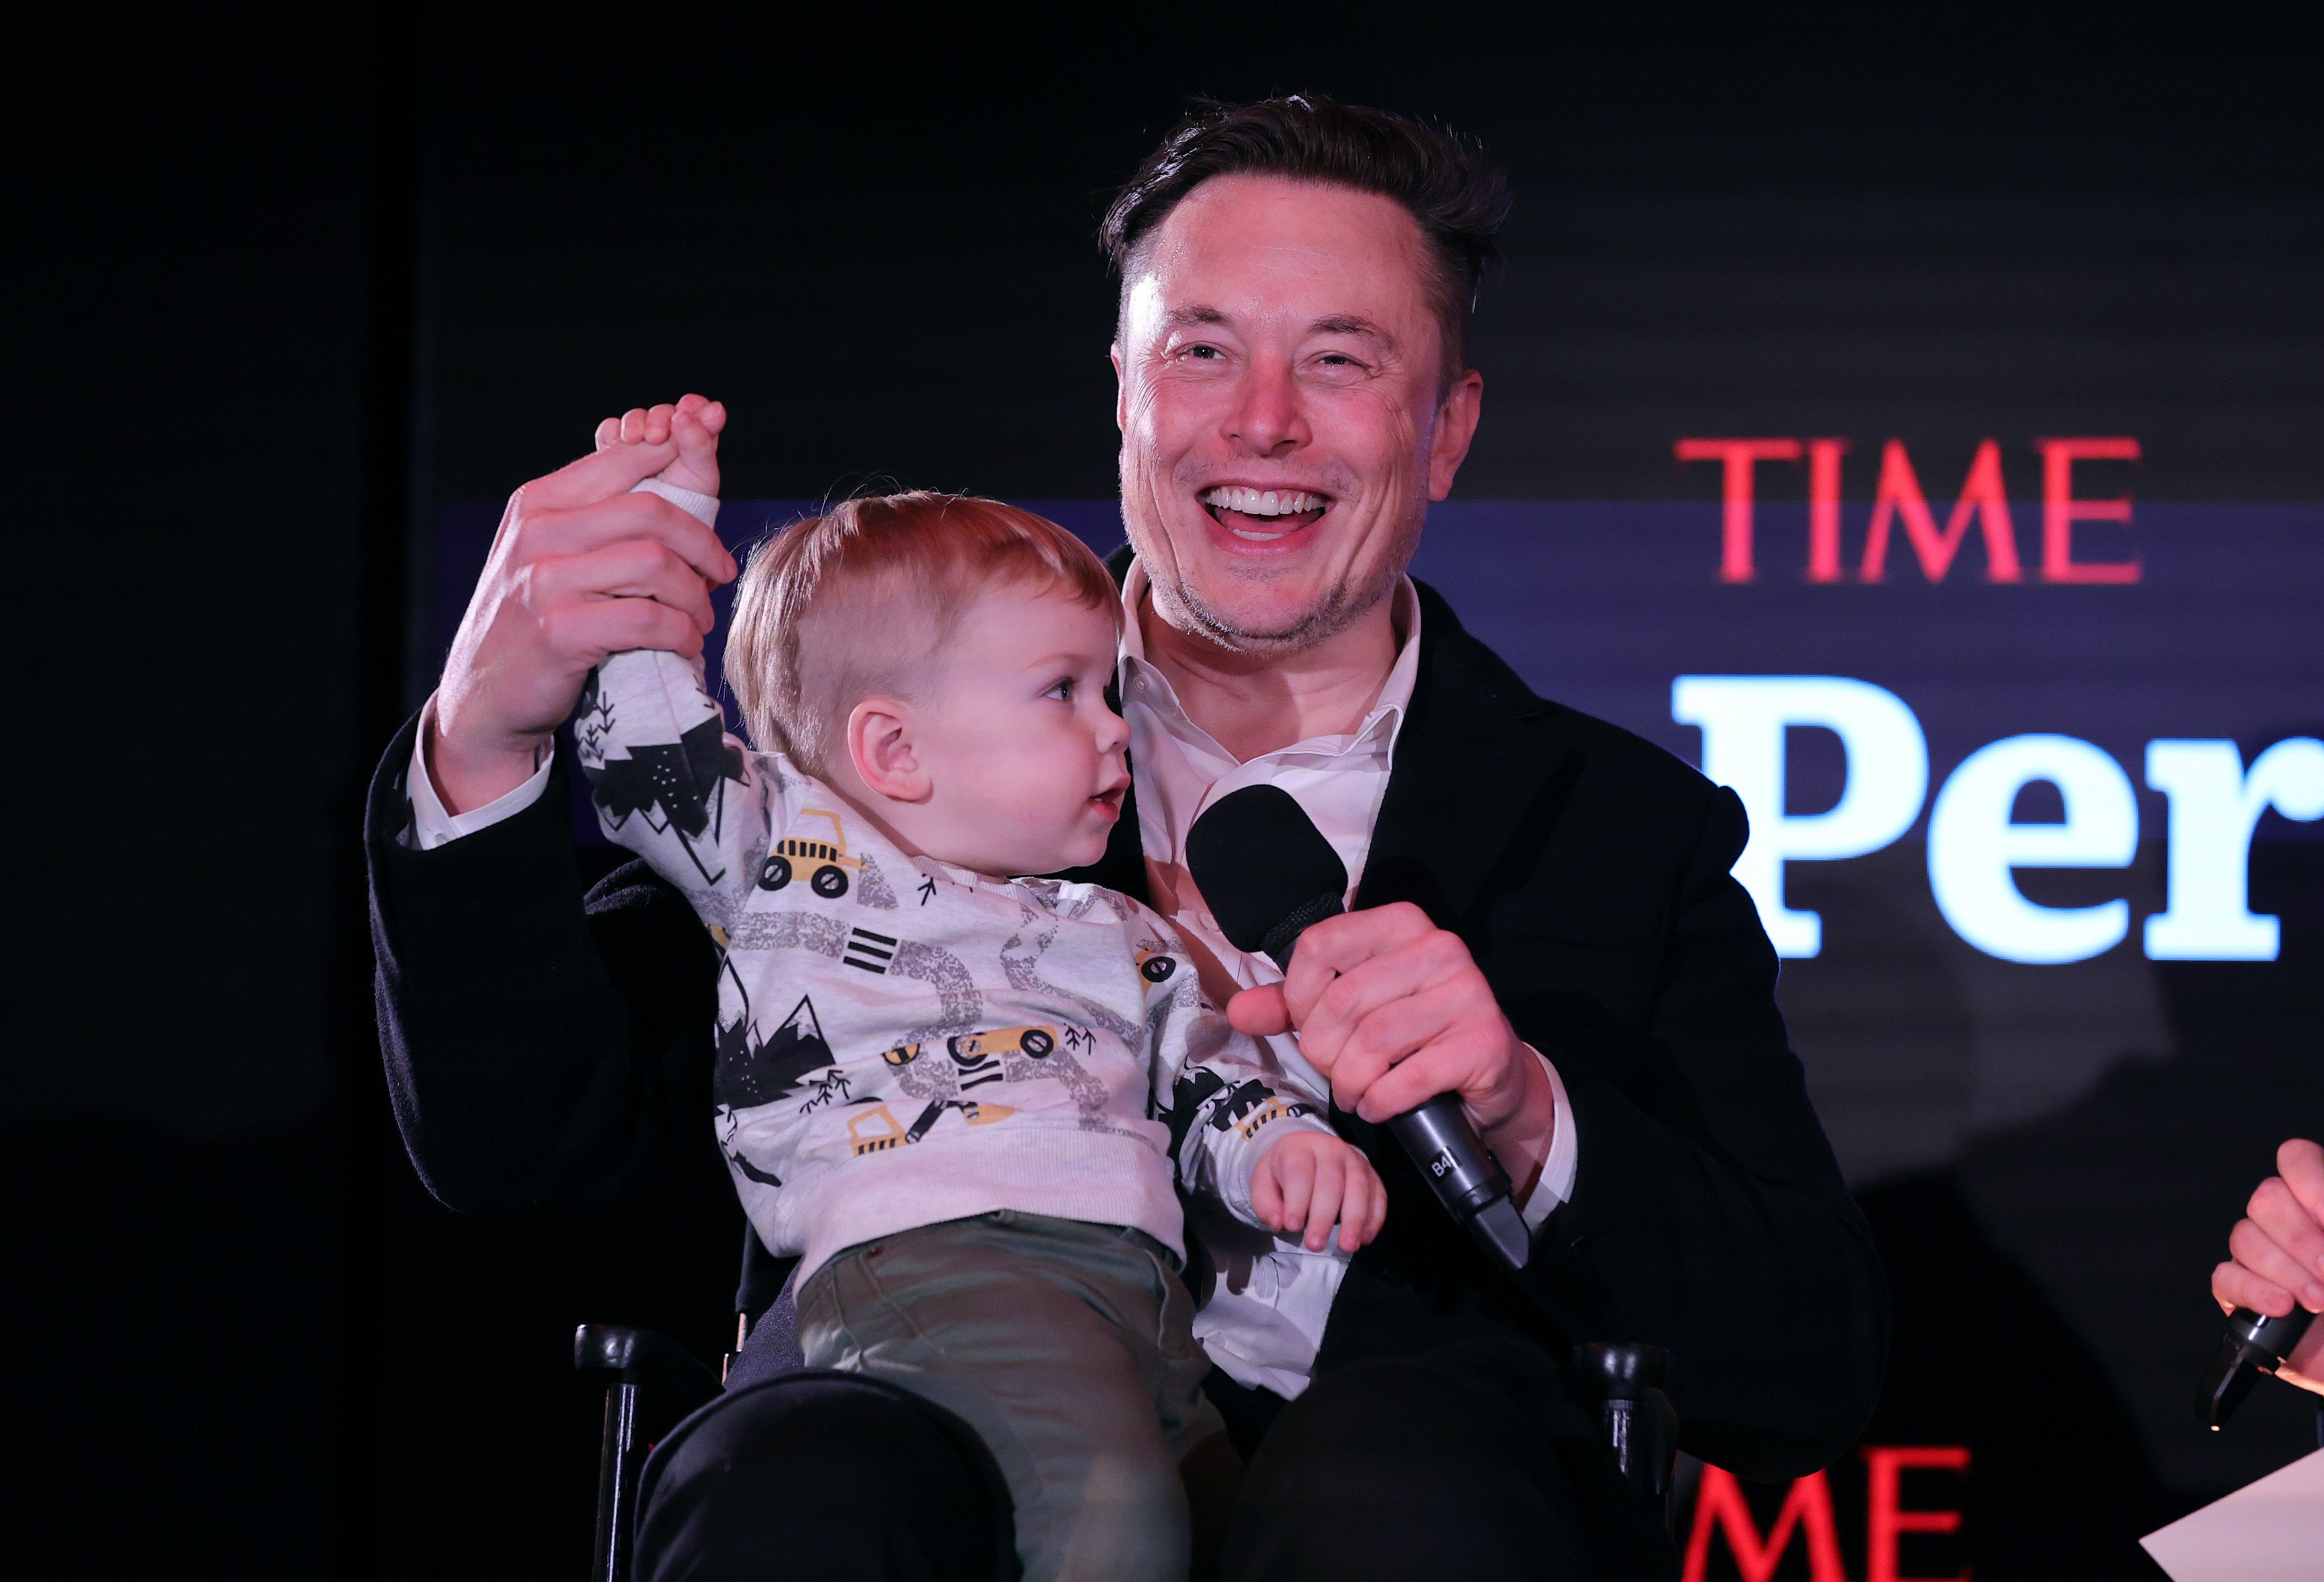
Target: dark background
284 285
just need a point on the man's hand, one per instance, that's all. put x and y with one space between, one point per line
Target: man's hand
2278 1255
1307 1181
581 568
1394 1011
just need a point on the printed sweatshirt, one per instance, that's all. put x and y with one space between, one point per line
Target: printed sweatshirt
900 1041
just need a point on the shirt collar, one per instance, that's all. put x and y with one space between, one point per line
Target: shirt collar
1384 719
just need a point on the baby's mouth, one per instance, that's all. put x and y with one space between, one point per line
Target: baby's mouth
1262 516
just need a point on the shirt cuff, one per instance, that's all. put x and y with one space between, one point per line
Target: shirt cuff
1555 1183
432 823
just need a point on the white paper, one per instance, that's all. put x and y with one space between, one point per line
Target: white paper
2271 1531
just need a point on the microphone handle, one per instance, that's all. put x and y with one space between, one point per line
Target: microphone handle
1439 1140
1467 1180
2254 1344
1436 1136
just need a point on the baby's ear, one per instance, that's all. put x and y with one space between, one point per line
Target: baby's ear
880 749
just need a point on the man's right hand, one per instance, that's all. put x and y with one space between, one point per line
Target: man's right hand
581 567
2278 1255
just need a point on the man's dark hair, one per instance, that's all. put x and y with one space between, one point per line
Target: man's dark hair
1458 195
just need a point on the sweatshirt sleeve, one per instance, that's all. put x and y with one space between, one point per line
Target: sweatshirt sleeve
666 780
1224 1102
669 784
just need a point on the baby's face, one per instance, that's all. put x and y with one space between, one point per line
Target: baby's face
1026 761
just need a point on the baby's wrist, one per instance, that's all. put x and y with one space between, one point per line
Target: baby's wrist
1315 1137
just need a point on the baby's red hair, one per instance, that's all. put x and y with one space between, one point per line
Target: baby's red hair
860 603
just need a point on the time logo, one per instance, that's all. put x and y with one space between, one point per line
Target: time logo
1900 509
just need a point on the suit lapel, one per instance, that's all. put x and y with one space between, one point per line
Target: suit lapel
1478 770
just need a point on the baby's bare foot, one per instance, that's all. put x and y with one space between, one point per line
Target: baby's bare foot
689 430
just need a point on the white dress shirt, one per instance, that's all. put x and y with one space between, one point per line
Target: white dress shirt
1265 1319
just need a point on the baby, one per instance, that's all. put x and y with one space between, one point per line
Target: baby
966 1100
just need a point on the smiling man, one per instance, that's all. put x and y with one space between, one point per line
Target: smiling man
1544 922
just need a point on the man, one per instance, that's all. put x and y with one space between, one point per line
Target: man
1545 925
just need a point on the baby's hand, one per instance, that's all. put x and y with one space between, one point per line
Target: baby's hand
694 424
1308 1179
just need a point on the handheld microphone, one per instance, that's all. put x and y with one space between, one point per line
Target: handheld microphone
1268 874
2254 1344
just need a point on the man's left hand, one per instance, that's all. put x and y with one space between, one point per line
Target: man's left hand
1392 1010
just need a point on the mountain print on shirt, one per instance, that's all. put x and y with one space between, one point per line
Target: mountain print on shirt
682 779
751 1071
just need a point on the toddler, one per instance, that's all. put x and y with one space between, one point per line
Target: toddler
966 1100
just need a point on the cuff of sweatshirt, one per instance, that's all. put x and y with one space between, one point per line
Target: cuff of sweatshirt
432 823
703 508
1555 1183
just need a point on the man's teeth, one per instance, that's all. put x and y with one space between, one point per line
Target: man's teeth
1263 501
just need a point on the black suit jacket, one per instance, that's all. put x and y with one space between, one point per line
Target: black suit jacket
547 1045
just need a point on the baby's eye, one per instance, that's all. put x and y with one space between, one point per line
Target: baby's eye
1062 690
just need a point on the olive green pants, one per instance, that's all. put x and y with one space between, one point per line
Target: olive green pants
1067 1347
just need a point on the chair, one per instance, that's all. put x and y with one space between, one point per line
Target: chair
651 1383
1638 1420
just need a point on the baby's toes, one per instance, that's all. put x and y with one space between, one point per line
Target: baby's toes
697 441
710 414
697 464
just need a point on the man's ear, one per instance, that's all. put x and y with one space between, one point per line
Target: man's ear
1456 425
1120 390
880 749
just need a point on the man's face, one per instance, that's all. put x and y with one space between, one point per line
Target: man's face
1285 418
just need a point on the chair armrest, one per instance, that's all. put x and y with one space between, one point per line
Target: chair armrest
640 1357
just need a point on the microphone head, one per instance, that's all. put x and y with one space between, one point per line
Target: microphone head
1265 871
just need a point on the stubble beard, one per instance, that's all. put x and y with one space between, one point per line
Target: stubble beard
1339 607
1335 609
